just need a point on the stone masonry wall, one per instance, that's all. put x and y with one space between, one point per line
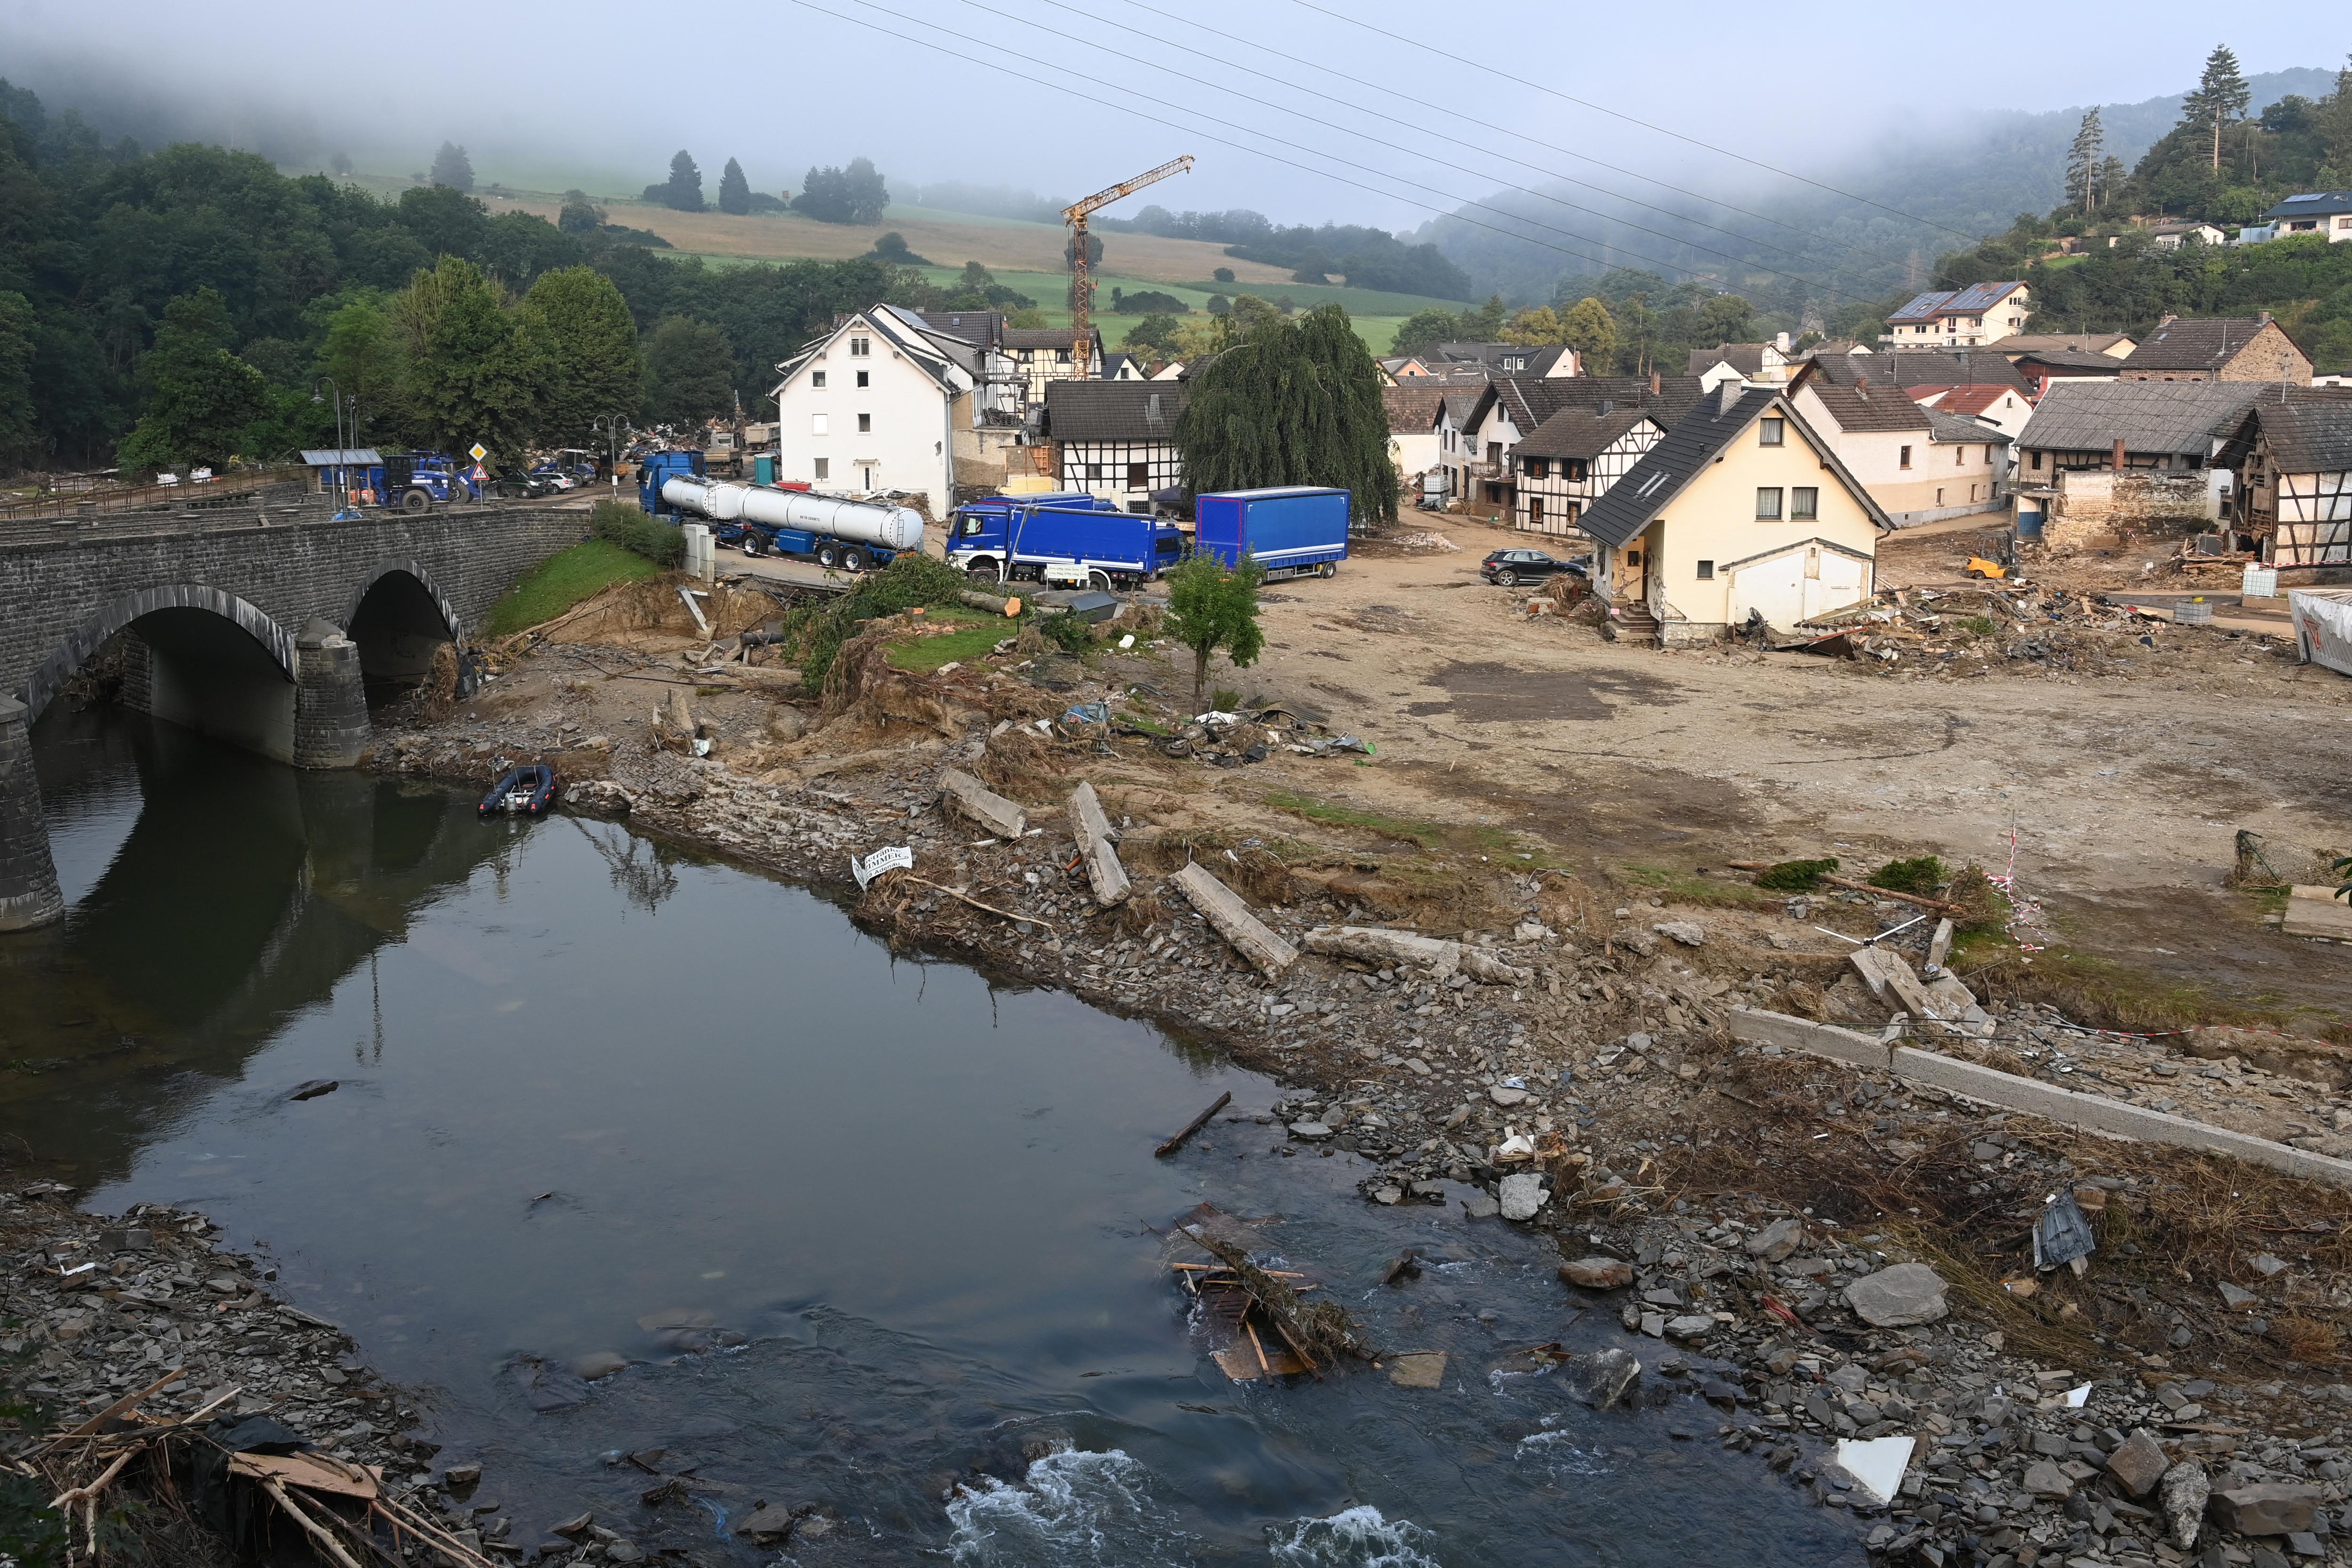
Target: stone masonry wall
60 585
2098 503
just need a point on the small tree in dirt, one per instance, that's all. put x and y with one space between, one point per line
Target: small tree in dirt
1210 607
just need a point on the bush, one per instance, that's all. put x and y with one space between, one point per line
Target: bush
1796 876
617 523
1920 876
1067 633
911 579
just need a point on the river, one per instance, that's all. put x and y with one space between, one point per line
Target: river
599 1095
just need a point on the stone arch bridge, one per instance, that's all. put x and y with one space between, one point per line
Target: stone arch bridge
256 621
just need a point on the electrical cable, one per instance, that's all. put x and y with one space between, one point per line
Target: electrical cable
1441 135
1394 146
1449 212
1507 130
1617 114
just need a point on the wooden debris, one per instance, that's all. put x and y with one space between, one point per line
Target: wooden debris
1225 909
1194 1126
1001 816
314 1472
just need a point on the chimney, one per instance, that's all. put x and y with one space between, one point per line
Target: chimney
2266 318
1653 382
1728 396
2115 460
1780 342
1862 385
1605 408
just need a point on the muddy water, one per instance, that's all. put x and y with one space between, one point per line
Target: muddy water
596 1096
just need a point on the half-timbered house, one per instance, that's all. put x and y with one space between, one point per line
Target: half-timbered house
2294 499
1042 355
1116 439
1570 460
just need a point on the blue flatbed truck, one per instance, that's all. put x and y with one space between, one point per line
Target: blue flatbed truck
1081 540
1292 531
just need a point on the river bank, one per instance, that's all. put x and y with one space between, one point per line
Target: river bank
1599 1038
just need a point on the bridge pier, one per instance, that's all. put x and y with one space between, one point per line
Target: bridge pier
330 713
28 877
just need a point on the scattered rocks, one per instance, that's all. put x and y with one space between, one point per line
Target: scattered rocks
2186 1488
1898 1296
1597 1273
1684 931
1522 1196
1778 1241
2139 1464
2265 1509
1602 1379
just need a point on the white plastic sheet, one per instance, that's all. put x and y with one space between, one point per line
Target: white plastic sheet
2323 625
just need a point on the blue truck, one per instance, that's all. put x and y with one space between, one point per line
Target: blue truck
1292 531
1073 540
410 481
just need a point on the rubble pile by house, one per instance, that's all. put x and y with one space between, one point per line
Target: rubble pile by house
1975 631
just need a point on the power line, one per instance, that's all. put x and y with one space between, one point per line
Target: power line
1196 131
1540 141
1393 146
1443 136
1630 119
1400 179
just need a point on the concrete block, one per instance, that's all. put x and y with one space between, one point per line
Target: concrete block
2317 911
1223 908
2097 1114
1755 1027
1087 823
984 805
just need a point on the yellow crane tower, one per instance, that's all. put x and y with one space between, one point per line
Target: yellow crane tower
1075 215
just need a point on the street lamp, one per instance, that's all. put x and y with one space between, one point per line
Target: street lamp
612 424
342 447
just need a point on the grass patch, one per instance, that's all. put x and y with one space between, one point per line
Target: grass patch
2099 991
1690 888
1492 844
567 578
972 638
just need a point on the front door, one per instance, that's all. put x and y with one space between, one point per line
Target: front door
1632 571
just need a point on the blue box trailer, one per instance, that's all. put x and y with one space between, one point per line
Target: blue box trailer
1080 540
1292 531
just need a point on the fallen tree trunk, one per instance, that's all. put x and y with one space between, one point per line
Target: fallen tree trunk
1378 945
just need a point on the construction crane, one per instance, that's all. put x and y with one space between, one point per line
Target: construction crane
1075 215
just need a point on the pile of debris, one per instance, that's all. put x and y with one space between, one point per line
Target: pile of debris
1961 631
1271 1331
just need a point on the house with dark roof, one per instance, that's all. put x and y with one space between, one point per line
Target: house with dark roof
1042 354
1960 318
1510 407
2039 367
2293 466
1570 460
1412 408
2115 345
1759 364
2217 348
1502 359
1919 464
1116 439
883 402
1920 371
2327 213
1743 509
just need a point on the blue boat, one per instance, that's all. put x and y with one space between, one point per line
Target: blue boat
527 791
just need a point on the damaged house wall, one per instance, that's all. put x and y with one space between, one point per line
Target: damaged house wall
2088 504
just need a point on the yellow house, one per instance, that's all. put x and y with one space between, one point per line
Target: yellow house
1742 510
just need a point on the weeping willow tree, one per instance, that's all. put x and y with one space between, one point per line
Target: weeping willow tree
1296 402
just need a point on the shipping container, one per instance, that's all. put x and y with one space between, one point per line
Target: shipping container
1295 530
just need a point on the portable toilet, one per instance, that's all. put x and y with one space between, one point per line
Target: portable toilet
763 468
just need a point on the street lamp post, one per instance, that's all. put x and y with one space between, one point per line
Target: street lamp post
612 424
342 447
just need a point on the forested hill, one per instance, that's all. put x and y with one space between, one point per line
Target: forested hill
1975 176
180 305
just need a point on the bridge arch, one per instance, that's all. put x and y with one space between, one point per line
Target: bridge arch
204 659
399 619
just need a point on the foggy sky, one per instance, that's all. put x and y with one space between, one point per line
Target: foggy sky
591 93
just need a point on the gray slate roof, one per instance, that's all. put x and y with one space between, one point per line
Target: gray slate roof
1114 410
1668 467
2179 418
1923 367
1959 430
1583 432
2308 435
2311 204
2195 343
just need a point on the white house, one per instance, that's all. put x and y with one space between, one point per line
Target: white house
1569 460
1042 354
881 403
1413 442
1116 439
2325 212
1960 318
2173 235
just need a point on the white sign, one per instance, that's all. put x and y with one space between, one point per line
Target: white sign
898 857
477 451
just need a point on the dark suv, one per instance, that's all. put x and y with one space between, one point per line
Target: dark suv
1509 566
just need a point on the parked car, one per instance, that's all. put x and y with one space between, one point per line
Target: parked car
1509 566
553 477
513 484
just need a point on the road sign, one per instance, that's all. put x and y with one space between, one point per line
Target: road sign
480 473
479 452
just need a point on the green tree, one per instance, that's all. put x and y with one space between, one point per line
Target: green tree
1222 275
1536 329
203 398
2083 161
1485 324
2220 97
20 430
359 351
683 189
452 168
446 222
579 215
1423 328
1591 331
1726 319
689 372
470 375
1153 337
2332 123
1211 607
578 329
734 190
1292 402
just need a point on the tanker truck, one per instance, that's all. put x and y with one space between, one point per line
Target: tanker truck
762 520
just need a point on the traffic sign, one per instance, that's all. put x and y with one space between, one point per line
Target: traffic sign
480 474
479 452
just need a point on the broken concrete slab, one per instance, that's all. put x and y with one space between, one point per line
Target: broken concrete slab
1418 1369
2186 1487
1087 823
1106 876
2317 911
1522 1196
1756 1026
1222 907
1005 818
1378 944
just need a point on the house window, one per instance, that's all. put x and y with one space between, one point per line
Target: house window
820 424
816 378
865 378
2036 463
865 425
1706 571
1094 470
1538 469
860 348
1138 476
1493 451
1771 432
1906 460
1535 511
1959 457
1939 495
1572 469
1805 501
824 467
1767 503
